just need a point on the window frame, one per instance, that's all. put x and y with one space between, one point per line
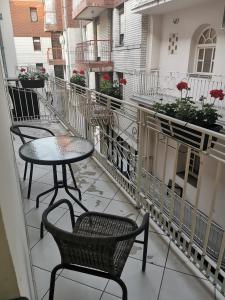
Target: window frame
35 44
121 34
33 9
204 47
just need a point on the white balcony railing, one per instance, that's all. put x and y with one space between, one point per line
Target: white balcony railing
161 86
136 148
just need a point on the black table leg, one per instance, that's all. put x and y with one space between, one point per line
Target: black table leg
74 182
54 188
53 198
66 187
30 181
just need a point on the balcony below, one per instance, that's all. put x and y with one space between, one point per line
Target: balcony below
94 55
55 57
160 7
91 9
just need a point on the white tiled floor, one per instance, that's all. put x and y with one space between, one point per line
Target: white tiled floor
166 278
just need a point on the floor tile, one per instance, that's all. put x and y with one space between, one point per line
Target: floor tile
106 296
42 281
33 236
122 209
34 217
45 253
157 249
89 280
70 290
95 203
178 286
28 204
36 189
119 196
144 286
100 188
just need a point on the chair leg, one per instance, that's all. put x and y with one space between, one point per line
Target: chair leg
123 287
25 171
52 281
30 181
145 248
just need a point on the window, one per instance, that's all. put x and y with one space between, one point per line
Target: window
206 51
37 44
33 14
39 66
121 25
194 164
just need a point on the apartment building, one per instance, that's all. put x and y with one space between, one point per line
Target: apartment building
31 40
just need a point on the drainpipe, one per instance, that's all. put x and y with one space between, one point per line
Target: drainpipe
67 37
2 50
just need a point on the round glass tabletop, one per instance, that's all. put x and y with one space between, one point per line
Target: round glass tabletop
56 150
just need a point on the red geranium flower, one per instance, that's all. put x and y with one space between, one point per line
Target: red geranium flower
123 81
182 86
106 77
217 94
81 72
43 70
22 70
75 71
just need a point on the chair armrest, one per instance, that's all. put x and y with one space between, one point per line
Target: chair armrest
55 205
16 130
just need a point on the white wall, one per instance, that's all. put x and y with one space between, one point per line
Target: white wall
7 36
189 21
27 56
11 203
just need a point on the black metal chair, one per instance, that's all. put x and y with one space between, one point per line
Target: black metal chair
16 129
98 244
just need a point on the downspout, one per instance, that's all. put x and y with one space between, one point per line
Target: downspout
67 36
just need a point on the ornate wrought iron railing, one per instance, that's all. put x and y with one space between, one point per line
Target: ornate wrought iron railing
142 151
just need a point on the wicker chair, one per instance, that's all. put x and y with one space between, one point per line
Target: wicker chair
16 129
99 244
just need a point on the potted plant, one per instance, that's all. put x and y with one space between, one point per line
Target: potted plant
186 110
113 89
78 78
33 79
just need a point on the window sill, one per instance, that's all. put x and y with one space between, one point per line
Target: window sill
201 75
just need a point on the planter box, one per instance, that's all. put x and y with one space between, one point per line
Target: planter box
187 135
32 84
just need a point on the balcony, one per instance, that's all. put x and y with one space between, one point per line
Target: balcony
160 7
94 55
128 174
91 9
160 86
55 57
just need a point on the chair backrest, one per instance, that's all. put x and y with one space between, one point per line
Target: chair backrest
90 251
16 129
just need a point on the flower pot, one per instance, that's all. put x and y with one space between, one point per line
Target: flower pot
187 135
32 84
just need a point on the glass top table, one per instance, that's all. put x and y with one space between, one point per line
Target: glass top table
56 151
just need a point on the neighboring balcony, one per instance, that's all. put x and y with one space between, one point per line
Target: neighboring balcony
90 9
55 57
163 6
94 55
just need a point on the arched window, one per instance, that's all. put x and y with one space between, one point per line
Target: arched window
206 48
